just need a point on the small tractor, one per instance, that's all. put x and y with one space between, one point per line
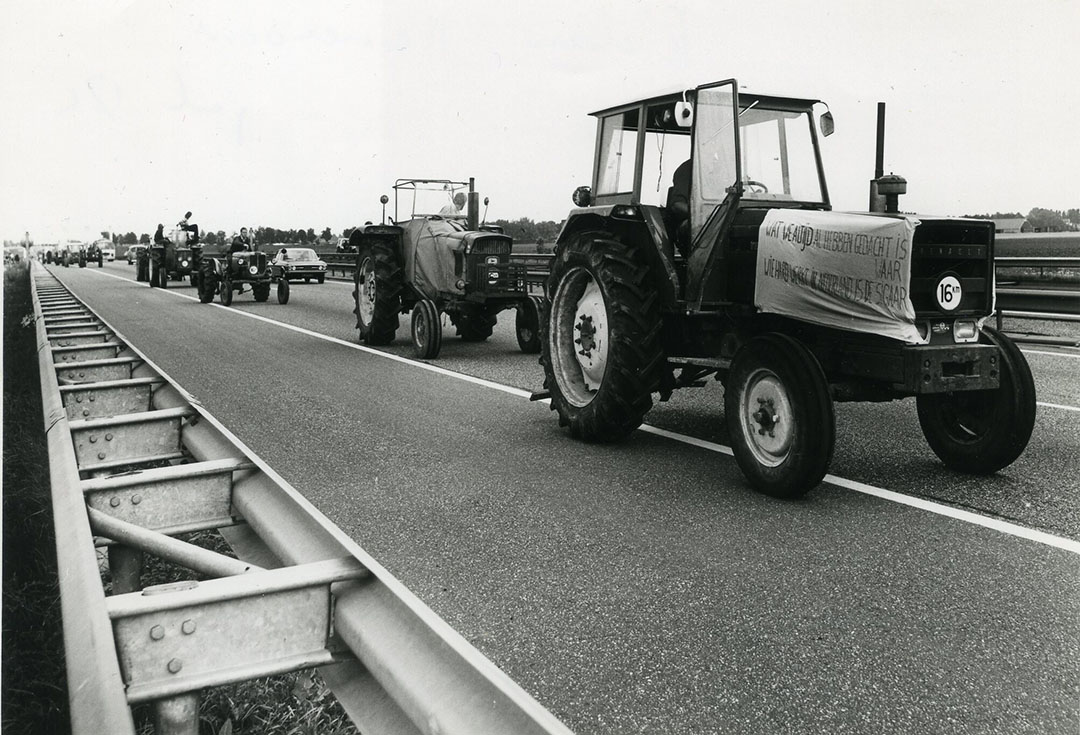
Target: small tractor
740 270
232 272
436 260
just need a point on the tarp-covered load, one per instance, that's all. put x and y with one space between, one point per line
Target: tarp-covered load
840 270
430 245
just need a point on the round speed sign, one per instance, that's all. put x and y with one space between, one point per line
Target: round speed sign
948 293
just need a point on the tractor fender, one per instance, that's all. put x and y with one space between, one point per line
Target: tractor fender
641 225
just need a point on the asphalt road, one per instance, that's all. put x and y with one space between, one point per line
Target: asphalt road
642 587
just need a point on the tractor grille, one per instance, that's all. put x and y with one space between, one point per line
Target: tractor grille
505 278
491 246
964 250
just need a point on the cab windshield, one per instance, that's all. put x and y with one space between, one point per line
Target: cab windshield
770 152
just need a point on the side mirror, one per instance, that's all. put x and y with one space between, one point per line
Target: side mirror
684 114
582 196
384 199
828 127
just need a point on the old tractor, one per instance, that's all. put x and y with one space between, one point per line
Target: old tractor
433 260
234 272
737 267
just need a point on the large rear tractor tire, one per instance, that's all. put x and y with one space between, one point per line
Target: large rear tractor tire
779 416
601 348
474 323
377 288
527 324
980 432
426 330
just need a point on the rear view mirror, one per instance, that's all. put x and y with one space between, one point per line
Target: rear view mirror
827 124
684 114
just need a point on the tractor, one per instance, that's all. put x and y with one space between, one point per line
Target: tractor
433 260
230 273
740 269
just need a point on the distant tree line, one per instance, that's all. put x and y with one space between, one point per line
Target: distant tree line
1041 220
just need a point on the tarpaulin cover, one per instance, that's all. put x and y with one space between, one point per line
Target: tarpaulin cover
847 271
429 255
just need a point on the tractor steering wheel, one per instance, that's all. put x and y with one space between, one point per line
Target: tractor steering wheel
750 184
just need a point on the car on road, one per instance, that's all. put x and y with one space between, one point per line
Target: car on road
133 253
295 264
108 252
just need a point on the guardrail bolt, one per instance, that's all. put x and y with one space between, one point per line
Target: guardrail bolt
187 627
108 437
91 397
174 666
93 439
136 499
78 399
114 501
101 455
86 412
157 633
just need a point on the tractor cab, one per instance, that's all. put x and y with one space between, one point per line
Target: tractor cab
701 165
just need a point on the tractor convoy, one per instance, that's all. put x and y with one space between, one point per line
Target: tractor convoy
705 247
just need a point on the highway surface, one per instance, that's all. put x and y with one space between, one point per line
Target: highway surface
642 587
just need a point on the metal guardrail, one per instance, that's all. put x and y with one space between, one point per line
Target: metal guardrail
134 459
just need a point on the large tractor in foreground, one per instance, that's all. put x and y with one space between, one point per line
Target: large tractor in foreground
739 269
433 259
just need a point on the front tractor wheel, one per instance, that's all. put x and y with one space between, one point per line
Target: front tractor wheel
779 416
282 291
377 293
601 341
261 291
426 330
225 291
527 324
982 431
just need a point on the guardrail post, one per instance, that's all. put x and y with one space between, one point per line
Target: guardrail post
177 715
125 568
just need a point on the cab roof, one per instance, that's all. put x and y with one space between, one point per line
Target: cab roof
782 102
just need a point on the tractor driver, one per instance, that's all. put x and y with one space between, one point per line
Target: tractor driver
242 242
457 209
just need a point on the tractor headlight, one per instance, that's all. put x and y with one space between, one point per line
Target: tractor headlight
965 330
184 263
253 270
460 284
493 276
492 260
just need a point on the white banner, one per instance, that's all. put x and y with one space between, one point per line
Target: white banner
849 271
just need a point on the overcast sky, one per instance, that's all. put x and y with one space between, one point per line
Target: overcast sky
121 115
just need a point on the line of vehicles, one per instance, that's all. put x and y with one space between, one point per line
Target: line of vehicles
738 271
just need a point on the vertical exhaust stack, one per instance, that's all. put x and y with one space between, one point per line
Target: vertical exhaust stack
474 206
885 190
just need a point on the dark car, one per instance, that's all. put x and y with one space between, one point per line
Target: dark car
294 264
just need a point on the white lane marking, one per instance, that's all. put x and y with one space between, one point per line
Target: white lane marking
1051 354
1057 405
966 516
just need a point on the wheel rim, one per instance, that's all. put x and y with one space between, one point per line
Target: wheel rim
580 337
767 418
365 295
968 416
421 328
